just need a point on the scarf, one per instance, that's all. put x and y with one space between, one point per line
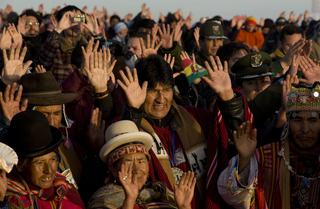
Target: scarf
188 130
218 157
27 195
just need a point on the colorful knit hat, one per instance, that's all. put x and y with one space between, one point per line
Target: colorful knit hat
193 72
304 99
251 21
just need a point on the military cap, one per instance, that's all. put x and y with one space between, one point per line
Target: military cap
281 21
212 29
253 65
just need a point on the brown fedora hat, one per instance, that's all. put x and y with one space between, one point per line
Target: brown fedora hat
43 89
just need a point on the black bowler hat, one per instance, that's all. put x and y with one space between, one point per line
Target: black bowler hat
42 89
30 135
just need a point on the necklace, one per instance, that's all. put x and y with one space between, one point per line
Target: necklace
289 167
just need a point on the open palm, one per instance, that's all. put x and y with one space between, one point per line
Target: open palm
218 77
184 191
128 181
135 94
99 69
14 67
245 139
10 101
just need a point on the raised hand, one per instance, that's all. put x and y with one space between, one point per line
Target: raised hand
196 35
307 48
261 22
92 24
218 78
292 17
282 14
146 12
150 47
136 95
40 69
64 23
166 36
245 140
128 17
177 32
129 181
294 67
286 88
10 101
306 15
5 40
14 67
98 68
310 70
184 191
188 21
296 49
91 47
96 130
15 36
184 56
169 59
22 24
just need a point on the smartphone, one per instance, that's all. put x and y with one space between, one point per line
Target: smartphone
79 19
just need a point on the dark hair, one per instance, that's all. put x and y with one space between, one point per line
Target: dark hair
12 17
31 12
268 23
216 18
290 29
115 17
138 25
135 34
227 50
154 69
59 14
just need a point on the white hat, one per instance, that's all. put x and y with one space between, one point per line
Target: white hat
8 158
121 133
120 26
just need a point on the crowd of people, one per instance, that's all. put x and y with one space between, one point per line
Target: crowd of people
102 111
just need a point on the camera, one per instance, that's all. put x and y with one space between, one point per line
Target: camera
79 19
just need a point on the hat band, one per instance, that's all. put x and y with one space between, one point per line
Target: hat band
246 77
118 153
42 93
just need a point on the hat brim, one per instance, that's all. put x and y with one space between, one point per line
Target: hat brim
123 139
246 77
53 99
56 141
216 37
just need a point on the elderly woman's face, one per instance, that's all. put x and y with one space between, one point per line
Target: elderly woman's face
139 164
41 171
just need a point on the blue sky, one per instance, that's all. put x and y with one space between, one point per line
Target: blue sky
226 8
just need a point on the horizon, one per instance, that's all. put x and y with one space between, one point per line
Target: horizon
205 8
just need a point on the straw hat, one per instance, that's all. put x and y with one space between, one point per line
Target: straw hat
121 133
